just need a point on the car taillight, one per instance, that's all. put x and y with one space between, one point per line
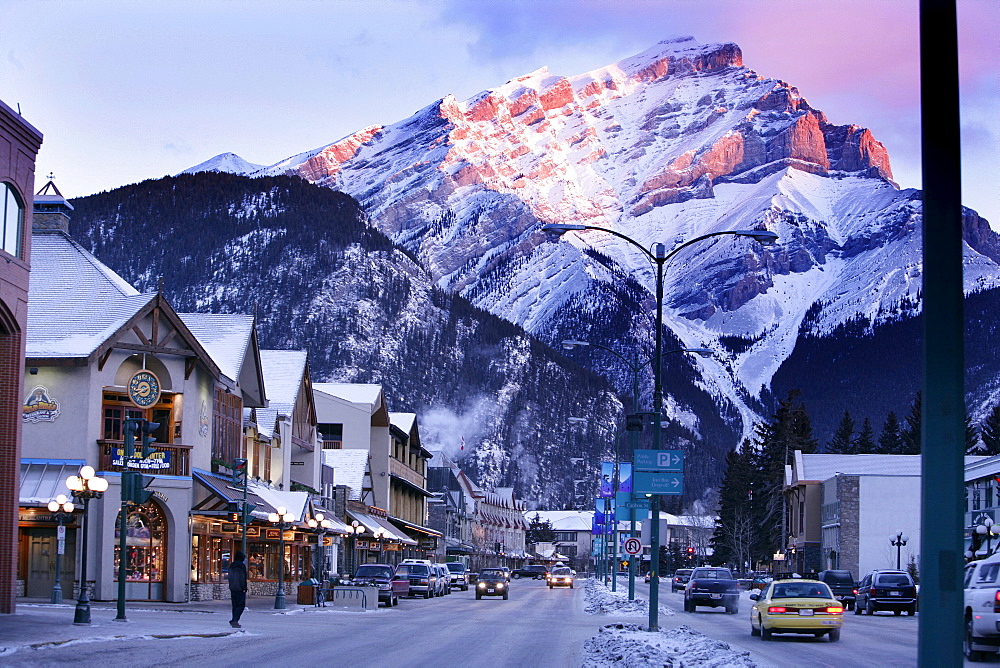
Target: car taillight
855 591
776 610
833 610
871 592
996 601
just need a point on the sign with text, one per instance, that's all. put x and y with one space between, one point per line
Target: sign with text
658 460
659 482
607 480
625 506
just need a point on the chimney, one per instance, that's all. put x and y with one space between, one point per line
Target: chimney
51 210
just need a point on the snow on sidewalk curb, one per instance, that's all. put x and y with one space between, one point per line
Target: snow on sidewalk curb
603 601
631 646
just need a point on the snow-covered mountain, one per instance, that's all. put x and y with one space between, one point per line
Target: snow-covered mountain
229 163
676 142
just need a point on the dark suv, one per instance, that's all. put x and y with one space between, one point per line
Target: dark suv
886 590
842 585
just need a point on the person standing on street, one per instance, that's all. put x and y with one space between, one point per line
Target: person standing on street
238 587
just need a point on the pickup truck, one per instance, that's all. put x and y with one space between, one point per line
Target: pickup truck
982 608
712 587
842 584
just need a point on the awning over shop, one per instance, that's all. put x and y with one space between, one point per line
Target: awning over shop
456 546
337 526
266 499
42 480
410 526
371 523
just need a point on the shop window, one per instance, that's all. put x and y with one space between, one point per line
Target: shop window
332 435
145 542
12 224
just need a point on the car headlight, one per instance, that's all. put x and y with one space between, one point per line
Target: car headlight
482 585
499 585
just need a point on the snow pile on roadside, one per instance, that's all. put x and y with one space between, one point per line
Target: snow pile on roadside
630 646
603 601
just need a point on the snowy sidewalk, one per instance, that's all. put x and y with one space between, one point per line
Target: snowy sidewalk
37 625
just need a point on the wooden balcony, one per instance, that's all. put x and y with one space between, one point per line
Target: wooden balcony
176 460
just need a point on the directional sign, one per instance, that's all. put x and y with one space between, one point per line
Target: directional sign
654 482
633 546
658 460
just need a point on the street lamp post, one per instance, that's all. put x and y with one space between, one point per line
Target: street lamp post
635 366
62 509
284 520
355 529
898 541
658 255
85 486
319 525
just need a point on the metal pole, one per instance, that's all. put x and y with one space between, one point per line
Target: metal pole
654 499
123 543
279 598
81 615
57 595
943 402
633 437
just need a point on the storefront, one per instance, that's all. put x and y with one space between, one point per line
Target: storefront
146 545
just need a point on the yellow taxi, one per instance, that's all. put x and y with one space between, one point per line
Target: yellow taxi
796 606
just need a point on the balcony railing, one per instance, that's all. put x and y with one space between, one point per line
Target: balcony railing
176 459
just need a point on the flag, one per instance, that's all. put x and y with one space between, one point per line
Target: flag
463 443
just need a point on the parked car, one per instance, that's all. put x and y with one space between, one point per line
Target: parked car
536 571
492 582
982 608
761 580
796 606
391 586
886 590
712 587
507 572
680 579
422 577
561 576
443 579
842 584
459 575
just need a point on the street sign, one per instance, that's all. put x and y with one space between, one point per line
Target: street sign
655 482
633 546
658 460
635 505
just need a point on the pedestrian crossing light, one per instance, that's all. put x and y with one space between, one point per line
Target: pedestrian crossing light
131 427
146 428
134 487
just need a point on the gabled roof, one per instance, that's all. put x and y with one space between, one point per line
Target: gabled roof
349 468
231 340
76 303
817 467
284 371
367 396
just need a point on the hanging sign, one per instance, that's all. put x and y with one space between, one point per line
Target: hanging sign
39 406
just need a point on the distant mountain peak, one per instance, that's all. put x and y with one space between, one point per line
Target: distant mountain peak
229 163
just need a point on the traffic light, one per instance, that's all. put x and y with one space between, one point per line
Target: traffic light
146 429
139 484
690 552
240 472
663 563
131 426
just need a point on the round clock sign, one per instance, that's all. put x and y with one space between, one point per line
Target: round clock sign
144 389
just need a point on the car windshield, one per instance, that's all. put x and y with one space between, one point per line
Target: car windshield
838 577
801 590
373 572
456 567
491 573
893 579
412 569
561 571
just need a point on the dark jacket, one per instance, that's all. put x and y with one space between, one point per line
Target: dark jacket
237 576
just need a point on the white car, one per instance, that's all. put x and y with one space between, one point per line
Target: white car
982 608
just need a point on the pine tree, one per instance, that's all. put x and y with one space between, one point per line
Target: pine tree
990 432
890 441
864 444
843 437
911 432
972 445
735 531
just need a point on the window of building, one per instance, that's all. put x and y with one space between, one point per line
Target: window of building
145 542
13 220
227 441
332 435
117 406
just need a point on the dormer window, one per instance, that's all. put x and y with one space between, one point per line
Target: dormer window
13 220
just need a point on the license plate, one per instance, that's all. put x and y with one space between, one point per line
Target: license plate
806 612
895 593
490 591
829 622
716 595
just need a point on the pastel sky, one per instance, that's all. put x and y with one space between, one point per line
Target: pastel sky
129 90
